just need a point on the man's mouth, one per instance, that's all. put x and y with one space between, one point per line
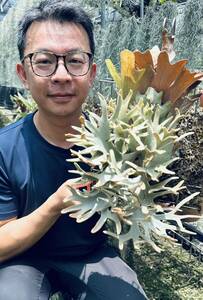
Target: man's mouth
61 97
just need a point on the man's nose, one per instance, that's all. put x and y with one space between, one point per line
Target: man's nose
61 73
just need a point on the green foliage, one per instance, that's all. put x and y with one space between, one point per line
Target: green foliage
6 116
173 274
22 106
164 1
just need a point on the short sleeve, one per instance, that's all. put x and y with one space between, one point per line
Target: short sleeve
8 207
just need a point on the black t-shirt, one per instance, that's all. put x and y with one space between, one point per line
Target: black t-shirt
31 170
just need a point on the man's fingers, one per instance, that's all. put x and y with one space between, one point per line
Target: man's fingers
75 185
66 190
70 204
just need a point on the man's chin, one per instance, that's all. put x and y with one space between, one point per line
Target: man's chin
66 112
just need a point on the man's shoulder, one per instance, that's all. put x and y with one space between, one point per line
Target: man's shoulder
12 129
11 135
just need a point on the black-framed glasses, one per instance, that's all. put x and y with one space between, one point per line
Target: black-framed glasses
45 63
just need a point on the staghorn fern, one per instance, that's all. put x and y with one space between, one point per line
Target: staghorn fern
130 146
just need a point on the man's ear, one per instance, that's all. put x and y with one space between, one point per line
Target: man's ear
93 72
20 70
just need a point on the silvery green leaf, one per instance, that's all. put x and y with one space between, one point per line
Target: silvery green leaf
153 96
107 215
180 138
183 202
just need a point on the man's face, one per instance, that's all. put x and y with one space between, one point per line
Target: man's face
60 94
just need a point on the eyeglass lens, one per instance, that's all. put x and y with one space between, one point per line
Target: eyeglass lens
45 63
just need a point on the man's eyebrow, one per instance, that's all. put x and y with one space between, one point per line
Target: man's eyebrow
70 50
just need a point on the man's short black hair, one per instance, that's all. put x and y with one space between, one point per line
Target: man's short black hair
56 10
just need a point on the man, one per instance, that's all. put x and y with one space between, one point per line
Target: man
41 250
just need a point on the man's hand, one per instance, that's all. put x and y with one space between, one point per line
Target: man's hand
60 199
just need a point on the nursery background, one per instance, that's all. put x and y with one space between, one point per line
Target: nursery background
177 272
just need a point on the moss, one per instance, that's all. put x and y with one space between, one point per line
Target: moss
190 166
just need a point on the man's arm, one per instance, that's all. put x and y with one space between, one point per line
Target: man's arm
6 221
17 235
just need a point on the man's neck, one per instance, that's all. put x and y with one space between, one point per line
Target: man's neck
53 130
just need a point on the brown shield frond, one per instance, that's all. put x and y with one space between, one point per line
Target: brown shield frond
143 60
181 85
166 73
